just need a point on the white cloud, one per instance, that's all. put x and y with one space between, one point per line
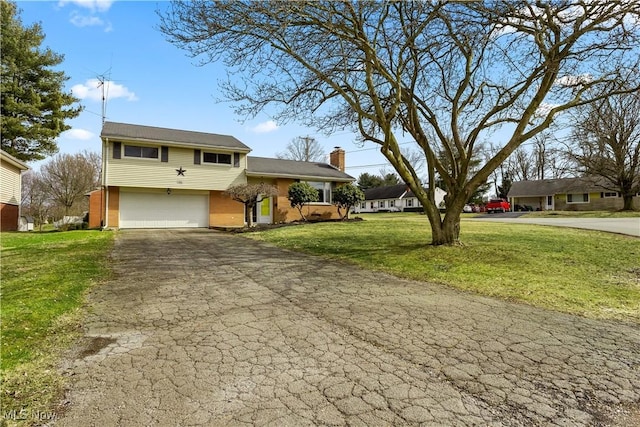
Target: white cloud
85 20
544 109
265 127
92 5
78 134
569 81
92 89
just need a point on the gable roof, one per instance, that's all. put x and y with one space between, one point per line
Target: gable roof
549 187
171 136
282 168
391 192
13 161
386 192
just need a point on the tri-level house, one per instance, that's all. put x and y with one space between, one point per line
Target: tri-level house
167 178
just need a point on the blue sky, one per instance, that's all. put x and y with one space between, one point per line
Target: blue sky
152 82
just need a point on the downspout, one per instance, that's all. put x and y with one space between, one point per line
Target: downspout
105 209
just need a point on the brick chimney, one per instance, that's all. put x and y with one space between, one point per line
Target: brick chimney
336 159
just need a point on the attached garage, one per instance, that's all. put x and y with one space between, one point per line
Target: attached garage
166 209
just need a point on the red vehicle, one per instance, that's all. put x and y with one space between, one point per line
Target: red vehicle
498 205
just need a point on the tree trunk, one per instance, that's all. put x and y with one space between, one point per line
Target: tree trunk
249 215
627 200
446 231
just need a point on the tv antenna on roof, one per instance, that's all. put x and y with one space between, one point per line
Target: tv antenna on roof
104 80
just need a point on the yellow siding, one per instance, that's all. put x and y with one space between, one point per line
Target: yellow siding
10 184
152 173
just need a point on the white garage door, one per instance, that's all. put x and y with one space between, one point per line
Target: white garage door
161 210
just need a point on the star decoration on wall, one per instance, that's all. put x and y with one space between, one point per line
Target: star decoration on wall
181 171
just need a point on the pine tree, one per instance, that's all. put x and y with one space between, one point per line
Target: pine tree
34 104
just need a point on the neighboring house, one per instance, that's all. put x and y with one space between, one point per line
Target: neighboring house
565 194
10 190
167 178
393 198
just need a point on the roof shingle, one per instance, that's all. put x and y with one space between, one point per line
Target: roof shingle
549 187
264 166
165 135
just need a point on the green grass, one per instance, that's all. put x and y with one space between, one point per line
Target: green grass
575 271
44 280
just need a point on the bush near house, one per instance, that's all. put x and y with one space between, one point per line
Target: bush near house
301 193
345 197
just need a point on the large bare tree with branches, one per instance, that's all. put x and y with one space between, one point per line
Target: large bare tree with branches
305 149
446 73
69 177
606 143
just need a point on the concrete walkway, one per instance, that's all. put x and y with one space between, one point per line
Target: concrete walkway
629 226
199 328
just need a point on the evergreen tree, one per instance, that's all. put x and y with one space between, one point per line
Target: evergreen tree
34 104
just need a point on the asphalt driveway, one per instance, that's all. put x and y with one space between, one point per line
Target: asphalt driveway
204 328
629 226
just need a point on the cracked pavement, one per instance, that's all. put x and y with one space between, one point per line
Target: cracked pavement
200 328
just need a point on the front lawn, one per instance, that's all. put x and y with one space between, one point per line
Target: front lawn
44 280
584 272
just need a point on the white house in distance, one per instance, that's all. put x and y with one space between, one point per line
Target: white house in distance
393 198
10 190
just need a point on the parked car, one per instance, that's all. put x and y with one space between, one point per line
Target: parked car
467 209
522 208
498 205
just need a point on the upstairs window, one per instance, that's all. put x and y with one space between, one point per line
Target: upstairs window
217 158
141 151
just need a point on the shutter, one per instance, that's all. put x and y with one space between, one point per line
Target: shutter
236 160
602 195
196 157
117 150
164 153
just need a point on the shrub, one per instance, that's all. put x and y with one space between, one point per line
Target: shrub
301 193
345 197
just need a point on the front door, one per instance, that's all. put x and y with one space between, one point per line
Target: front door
549 204
264 211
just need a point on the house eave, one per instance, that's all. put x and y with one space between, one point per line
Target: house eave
176 144
294 176
13 161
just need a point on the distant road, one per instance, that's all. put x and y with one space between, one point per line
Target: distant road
629 226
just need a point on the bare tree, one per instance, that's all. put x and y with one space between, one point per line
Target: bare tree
36 201
447 73
607 143
69 177
250 195
305 149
